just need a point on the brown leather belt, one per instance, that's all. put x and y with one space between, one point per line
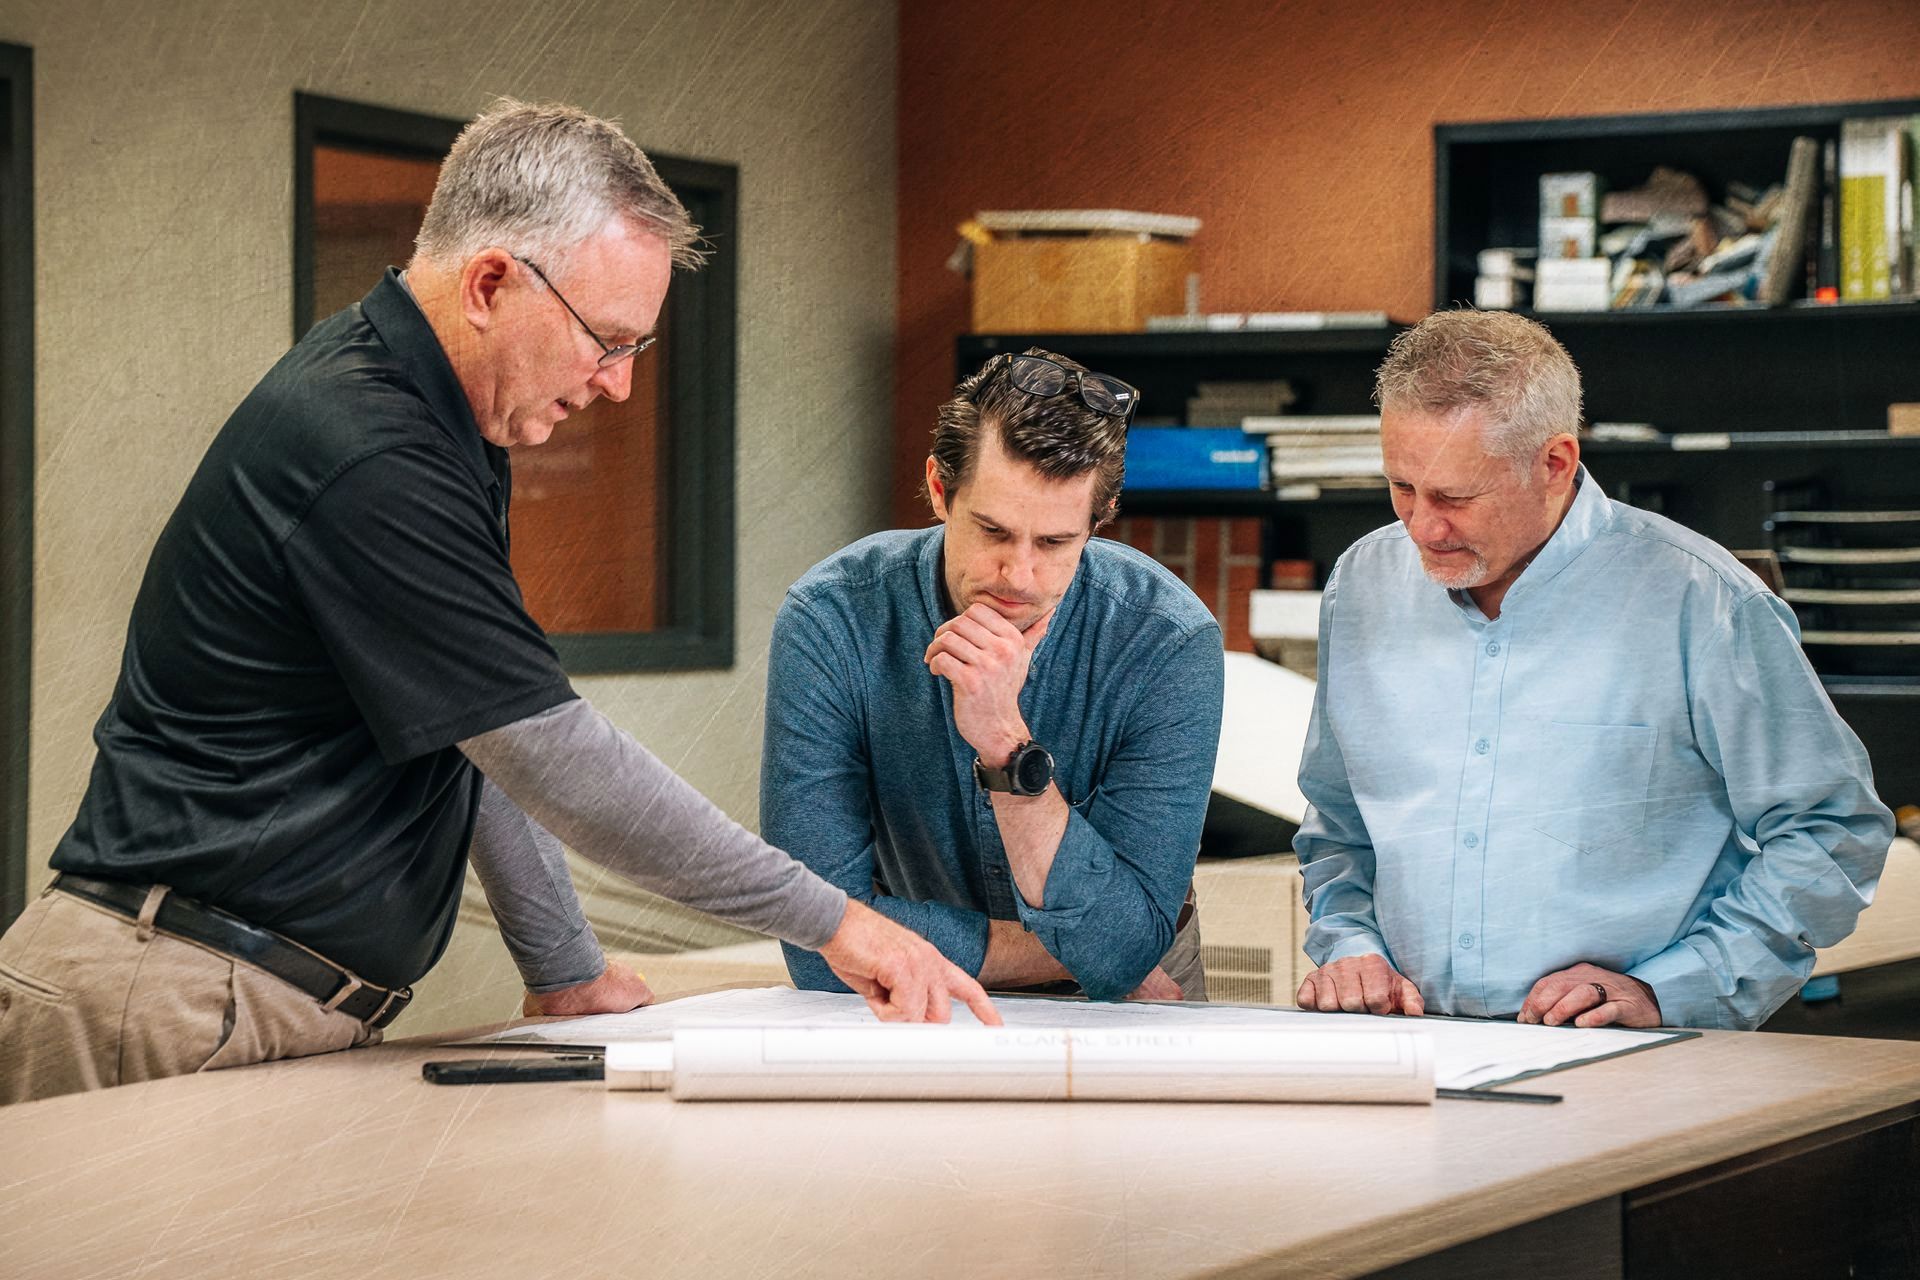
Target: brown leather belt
334 986
1187 909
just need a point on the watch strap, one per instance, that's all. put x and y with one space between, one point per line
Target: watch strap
1006 778
991 778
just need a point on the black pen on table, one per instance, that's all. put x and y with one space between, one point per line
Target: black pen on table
1489 1095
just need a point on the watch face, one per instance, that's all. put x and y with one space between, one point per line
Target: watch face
1033 770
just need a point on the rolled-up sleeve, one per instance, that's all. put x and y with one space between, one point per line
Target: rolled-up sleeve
1801 790
816 798
1123 866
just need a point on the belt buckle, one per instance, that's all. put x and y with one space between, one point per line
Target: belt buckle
379 1015
346 991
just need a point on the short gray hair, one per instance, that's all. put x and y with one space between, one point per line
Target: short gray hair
538 180
1504 364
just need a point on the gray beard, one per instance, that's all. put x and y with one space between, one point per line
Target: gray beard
1461 579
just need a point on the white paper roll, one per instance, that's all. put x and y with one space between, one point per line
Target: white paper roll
921 1062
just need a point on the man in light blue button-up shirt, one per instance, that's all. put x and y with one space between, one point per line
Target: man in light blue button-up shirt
900 662
1567 760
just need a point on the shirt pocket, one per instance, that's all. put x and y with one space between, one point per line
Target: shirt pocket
1595 780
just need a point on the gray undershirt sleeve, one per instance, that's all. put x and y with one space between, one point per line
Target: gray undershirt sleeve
523 868
571 771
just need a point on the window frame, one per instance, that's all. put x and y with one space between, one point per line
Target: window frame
16 470
700 318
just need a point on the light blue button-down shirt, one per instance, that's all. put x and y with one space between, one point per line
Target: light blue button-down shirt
1632 766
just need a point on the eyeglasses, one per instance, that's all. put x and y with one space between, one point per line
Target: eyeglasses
608 355
1041 376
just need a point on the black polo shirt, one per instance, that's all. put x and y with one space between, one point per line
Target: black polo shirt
328 611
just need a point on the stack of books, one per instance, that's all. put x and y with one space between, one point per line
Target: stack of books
1877 238
1570 276
1224 404
1330 450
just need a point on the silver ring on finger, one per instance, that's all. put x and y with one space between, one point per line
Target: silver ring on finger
1600 991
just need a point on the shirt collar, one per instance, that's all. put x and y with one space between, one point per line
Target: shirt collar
402 325
1588 515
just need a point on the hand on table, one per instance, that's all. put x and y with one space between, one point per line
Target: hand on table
616 990
1360 984
1589 996
1156 986
903 977
985 658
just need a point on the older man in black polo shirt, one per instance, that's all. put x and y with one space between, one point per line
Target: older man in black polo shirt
331 689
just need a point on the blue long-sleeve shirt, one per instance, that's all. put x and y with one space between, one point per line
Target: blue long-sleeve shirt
865 779
1633 766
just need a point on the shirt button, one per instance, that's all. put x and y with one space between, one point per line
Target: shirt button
1471 840
1466 942
1493 648
1480 747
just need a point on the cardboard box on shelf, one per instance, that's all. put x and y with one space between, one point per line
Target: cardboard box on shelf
1566 238
1077 283
1569 195
1493 293
1076 270
1573 284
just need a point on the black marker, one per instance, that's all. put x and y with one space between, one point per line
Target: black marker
1488 1095
590 1066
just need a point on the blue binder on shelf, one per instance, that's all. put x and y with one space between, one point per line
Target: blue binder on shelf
1195 458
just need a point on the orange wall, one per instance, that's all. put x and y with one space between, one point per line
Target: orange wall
1299 133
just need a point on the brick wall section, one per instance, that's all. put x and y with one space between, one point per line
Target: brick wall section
1219 559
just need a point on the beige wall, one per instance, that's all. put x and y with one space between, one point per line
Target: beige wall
163 222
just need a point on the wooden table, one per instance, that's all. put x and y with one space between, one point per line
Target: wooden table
350 1165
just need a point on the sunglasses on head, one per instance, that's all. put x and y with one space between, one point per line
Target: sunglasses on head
1042 376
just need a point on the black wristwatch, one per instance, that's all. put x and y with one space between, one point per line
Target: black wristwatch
1028 772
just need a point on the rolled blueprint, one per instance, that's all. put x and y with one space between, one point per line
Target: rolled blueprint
1026 1063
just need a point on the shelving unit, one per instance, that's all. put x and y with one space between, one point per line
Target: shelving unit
1486 175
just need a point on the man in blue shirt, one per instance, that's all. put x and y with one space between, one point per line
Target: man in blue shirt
1567 760
1001 731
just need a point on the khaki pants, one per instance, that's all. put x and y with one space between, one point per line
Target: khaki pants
90 999
1182 961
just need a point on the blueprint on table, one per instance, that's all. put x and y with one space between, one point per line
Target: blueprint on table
1468 1053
